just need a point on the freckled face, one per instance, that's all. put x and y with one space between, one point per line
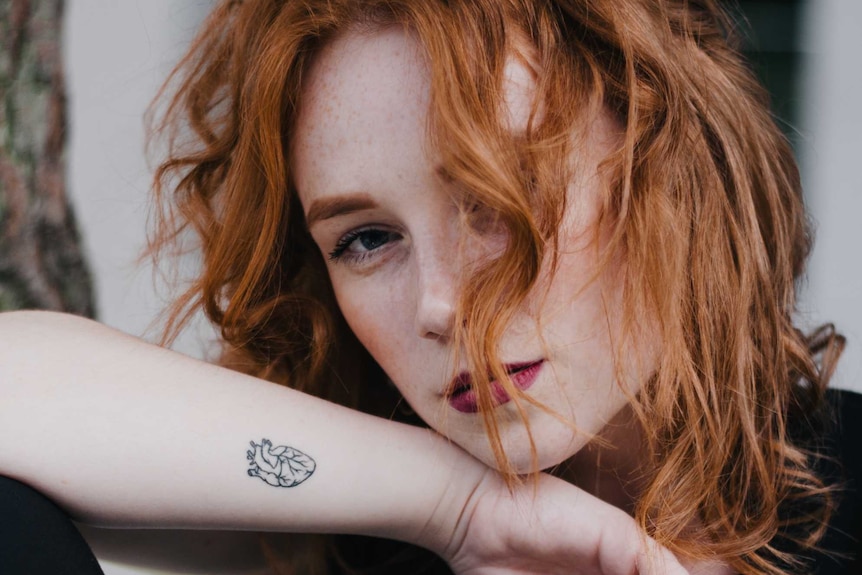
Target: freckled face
385 221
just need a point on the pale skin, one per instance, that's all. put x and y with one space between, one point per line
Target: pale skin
372 476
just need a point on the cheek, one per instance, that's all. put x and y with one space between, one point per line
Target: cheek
363 310
377 315
606 351
381 313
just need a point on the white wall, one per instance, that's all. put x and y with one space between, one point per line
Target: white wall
831 158
117 55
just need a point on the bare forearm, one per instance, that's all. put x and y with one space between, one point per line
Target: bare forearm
127 434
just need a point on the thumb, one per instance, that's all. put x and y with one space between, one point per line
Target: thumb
624 548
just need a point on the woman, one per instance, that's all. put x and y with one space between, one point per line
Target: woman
564 235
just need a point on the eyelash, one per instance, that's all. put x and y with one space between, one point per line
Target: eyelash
340 254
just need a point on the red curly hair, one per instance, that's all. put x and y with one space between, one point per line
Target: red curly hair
705 205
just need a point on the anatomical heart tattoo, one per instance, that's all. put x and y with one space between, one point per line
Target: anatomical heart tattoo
280 466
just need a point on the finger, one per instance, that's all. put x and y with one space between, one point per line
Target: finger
654 559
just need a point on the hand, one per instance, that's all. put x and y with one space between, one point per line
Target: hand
552 528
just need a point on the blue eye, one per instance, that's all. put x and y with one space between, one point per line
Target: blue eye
359 244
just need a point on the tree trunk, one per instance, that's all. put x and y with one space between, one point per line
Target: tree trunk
41 265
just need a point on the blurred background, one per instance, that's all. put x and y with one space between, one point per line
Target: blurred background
116 54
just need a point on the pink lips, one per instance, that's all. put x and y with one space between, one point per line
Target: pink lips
463 398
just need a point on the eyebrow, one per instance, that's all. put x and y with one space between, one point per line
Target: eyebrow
326 208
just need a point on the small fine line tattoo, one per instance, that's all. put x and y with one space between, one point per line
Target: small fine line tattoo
280 466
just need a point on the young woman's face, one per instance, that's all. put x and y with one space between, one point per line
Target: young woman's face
383 215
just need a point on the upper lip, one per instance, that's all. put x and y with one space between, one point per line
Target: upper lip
464 380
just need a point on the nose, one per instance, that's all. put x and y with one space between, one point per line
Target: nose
436 299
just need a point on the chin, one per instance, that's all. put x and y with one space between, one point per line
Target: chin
553 447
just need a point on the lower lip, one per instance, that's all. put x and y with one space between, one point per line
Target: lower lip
467 402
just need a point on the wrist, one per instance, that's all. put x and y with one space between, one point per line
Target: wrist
448 513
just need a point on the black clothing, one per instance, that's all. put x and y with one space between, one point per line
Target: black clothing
37 538
841 442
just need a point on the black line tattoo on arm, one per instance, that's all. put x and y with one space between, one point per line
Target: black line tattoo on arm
280 466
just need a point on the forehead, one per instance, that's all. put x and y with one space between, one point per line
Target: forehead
364 109
364 102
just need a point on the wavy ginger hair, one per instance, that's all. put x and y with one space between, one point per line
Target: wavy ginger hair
704 204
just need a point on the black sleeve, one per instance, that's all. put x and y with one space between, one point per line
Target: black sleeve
844 536
37 538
